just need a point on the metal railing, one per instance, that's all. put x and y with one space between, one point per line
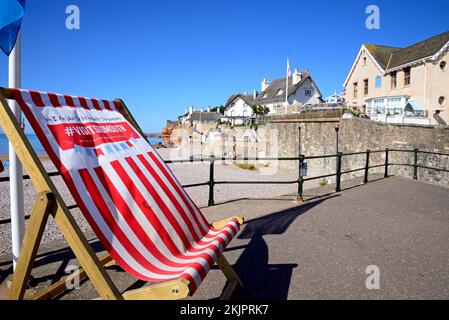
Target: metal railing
211 183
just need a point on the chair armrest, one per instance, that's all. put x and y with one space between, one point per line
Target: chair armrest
220 224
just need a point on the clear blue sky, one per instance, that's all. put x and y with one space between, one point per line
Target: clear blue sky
162 56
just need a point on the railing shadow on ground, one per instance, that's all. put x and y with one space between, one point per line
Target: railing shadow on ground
262 280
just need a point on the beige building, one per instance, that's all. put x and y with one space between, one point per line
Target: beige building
402 85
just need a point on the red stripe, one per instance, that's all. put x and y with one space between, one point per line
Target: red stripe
69 101
127 214
37 99
152 217
115 228
83 103
54 100
164 187
176 186
96 104
107 105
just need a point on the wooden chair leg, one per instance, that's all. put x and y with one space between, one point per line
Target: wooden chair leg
234 282
43 205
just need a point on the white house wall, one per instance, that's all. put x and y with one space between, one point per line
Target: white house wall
300 95
239 108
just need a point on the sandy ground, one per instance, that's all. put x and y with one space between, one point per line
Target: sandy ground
187 173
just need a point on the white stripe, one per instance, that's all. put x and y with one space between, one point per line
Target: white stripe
197 212
175 193
144 223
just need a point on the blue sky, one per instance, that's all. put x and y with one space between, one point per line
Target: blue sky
162 56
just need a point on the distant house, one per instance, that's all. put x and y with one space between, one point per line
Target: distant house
302 90
402 85
193 117
238 109
335 99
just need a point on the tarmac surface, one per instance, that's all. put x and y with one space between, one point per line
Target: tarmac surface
317 250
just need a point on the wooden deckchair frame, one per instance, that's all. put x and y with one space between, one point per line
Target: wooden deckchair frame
48 201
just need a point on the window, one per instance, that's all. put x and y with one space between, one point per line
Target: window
280 92
394 80
394 106
407 76
443 65
365 87
442 101
364 61
378 82
356 90
308 92
379 106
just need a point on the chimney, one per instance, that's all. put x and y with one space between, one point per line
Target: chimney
191 109
296 76
208 109
218 110
265 84
255 94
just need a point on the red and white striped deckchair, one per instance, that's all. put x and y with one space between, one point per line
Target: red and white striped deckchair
141 214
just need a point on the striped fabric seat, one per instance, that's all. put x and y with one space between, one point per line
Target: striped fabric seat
129 196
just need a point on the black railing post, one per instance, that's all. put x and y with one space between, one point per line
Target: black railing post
387 162
211 181
415 164
301 178
338 174
365 180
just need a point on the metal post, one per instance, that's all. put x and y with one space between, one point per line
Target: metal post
15 167
368 152
387 163
338 174
415 164
299 140
211 181
337 130
301 179
191 148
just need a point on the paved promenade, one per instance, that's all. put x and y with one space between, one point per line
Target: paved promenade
319 250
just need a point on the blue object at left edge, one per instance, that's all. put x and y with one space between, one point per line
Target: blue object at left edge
11 15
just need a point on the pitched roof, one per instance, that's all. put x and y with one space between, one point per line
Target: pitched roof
382 54
272 92
205 116
249 99
391 57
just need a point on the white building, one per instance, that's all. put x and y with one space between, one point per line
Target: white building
238 109
302 90
335 99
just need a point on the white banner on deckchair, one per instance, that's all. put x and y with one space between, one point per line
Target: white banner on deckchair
132 200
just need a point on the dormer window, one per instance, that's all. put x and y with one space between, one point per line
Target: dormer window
265 95
280 92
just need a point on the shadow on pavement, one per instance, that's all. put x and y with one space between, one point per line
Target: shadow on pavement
262 280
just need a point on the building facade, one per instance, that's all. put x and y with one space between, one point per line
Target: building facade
238 109
302 90
402 85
